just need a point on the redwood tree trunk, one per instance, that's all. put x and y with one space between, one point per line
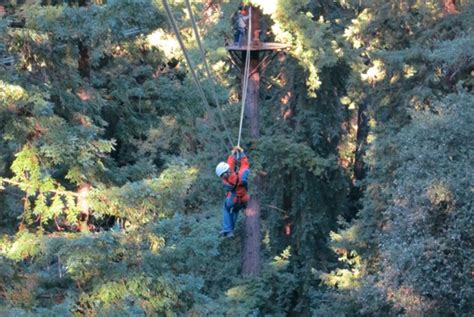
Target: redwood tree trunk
356 191
83 62
362 134
449 6
85 72
83 205
252 236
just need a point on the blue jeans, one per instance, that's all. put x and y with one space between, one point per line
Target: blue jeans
230 213
239 36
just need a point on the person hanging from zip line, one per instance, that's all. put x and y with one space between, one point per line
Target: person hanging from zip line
240 25
236 185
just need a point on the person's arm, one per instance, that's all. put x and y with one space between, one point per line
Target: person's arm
231 162
228 187
244 169
244 161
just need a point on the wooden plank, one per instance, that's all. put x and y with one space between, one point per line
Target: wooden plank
266 46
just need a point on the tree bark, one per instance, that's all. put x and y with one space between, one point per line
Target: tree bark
252 236
449 6
363 128
362 134
83 63
287 206
83 205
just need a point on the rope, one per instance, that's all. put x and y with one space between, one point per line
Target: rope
209 75
246 75
188 60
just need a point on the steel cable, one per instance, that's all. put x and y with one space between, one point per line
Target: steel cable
208 71
188 60
246 75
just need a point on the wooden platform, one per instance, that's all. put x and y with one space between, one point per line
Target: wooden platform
260 47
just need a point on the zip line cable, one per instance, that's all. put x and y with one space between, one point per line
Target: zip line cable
246 75
209 74
188 60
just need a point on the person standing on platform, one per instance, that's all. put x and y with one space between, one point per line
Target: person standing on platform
241 19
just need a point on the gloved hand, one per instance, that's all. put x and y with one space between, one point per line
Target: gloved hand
237 149
237 152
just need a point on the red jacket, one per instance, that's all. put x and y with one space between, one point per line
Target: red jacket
236 184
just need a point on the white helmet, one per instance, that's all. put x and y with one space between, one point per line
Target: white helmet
221 168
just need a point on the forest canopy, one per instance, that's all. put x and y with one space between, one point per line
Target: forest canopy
358 135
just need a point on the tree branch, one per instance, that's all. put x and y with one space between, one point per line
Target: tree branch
60 192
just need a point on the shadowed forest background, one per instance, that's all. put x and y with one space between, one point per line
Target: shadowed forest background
109 205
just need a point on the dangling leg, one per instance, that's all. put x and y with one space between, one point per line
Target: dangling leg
227 217
235 213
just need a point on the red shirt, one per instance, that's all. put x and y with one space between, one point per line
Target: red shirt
236 183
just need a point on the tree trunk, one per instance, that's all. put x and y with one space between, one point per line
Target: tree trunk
287 206
356 191
362 133
449 6
252 236
83 63
251 239
83 205
85 72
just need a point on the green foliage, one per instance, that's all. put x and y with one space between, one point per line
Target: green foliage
119 271
430 205
409 238
133 129
313 43
73 131
143 201
291 156
26 245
